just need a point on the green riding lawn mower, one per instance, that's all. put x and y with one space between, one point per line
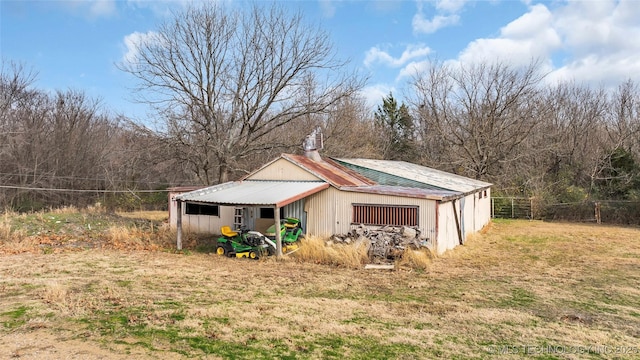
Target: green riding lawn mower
290 234
244 244
254 245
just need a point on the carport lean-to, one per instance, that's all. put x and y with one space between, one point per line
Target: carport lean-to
276 194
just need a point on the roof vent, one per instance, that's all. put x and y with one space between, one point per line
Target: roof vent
312 143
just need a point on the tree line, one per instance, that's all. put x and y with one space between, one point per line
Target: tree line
231 88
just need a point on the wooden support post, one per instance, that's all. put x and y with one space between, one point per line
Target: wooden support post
455 215
179 225
276 215
597 213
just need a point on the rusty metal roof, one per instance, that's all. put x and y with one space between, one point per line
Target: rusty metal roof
415 173
254 192
329 171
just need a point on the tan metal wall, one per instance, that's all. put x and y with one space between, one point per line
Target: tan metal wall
208 224
200 223
330 211
282 169
483 211
447 229
477 214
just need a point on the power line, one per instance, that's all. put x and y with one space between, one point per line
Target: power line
51 176
80 190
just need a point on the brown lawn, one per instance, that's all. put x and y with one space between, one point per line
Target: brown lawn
520 289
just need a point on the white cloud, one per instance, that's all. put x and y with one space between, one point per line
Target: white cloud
328 8
531 36
376 55
451 6
99 8
426 26
413 68
132 43
596 42
89 8
607 71
602 28
374 94
446 15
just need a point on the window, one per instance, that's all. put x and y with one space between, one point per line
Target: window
385 215
201 209
268 213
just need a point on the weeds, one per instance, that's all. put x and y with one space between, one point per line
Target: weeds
316 250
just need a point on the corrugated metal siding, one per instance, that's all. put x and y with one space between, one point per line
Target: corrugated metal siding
483 211
296 210
330 211
282 169
470 214
208 224
447 230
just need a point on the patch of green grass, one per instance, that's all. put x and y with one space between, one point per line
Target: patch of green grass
14 318
359 347
532 240
222 320
124 283
519 298
371 322
177 316
251 349
169 304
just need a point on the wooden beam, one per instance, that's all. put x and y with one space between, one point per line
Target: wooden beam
455 215
276 215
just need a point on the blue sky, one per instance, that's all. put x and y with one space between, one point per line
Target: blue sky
75 44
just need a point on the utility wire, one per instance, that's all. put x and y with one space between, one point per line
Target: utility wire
80 190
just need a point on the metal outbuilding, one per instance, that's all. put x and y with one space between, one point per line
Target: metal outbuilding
331 196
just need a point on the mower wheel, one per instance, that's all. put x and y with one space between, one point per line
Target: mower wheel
253 255
220 250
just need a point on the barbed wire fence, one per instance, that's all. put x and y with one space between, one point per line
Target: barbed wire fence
623 212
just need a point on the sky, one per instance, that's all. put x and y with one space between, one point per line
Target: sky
77 44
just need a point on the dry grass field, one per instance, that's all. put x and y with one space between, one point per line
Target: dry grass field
519 290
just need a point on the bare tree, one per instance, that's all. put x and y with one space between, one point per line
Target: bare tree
223 79
623 127
482 112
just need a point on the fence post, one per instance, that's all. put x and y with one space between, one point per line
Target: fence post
597 213
512 210
493 208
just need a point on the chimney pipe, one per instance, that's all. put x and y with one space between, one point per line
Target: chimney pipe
312 143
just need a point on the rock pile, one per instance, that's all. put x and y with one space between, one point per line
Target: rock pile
385 243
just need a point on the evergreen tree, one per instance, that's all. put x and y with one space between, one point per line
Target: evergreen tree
397 130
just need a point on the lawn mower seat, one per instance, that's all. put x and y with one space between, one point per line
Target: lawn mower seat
226 231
